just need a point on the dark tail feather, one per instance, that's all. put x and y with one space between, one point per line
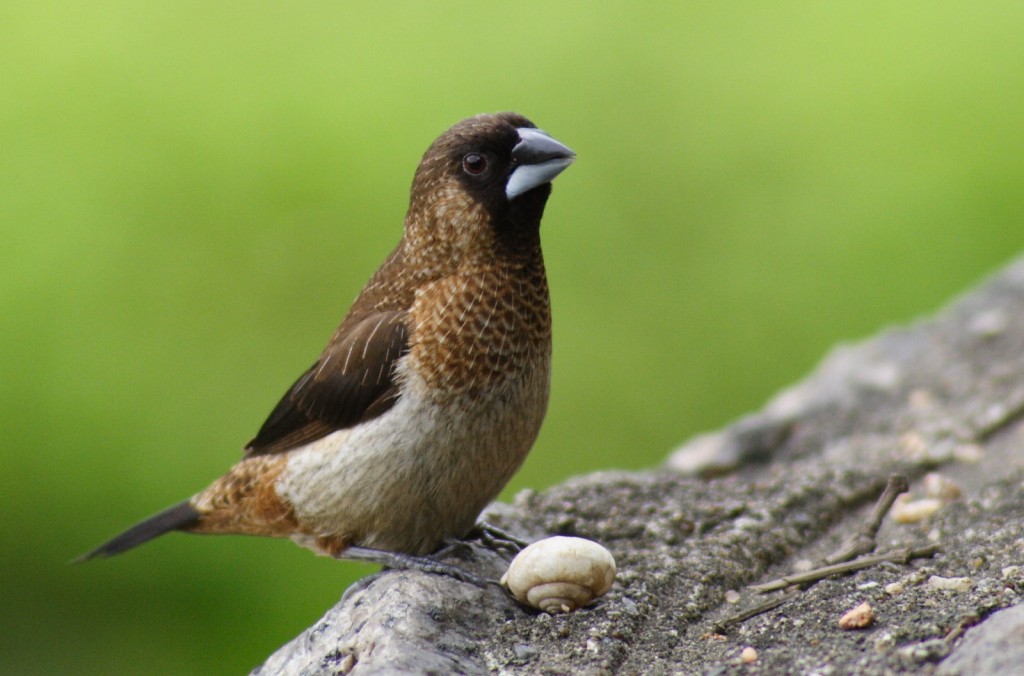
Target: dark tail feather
173 518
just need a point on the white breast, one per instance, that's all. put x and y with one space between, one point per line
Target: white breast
422 471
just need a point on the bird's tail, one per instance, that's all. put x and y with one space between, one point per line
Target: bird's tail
177 517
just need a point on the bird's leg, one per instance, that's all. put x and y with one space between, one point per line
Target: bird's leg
407 562
454 547
495 538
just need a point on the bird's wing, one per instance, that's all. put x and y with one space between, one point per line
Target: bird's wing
353 381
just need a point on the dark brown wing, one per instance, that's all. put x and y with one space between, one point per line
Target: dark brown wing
352 382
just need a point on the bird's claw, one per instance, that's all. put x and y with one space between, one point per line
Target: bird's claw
496 539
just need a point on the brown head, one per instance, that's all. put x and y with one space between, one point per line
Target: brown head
480 190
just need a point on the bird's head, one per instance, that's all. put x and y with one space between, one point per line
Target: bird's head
482 186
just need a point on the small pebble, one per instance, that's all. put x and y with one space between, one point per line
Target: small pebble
931 650
921 400
989 323
732 596
749 655
969 453
884 643
914 445
950 583
919 575
894 588
1010 571
941 487
858 618
905 510
525 652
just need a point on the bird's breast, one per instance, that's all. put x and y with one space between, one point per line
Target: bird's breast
421 472
472 331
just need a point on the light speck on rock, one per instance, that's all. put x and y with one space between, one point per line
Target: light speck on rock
989 323
906 510
894 588
957 584
969 453
941 487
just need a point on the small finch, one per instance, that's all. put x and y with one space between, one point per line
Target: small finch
432 390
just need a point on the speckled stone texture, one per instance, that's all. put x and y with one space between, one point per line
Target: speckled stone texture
783 486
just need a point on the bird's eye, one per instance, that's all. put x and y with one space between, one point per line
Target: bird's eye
474 164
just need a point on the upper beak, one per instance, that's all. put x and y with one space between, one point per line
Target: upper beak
538 159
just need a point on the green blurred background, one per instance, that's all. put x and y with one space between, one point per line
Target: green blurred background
191 193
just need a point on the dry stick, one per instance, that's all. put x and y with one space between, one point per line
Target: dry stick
754 611
1010 414
965 623
903 556
862 542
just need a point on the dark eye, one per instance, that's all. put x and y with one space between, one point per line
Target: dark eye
474 164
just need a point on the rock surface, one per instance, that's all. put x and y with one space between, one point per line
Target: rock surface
994 647
779 488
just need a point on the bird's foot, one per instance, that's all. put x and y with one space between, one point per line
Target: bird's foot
454 548
496 539
410 562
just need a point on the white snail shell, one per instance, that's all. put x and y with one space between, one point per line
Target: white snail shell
560 574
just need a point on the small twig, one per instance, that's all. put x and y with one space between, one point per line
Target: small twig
842 561
903 556
965 623
754 611
863 541
1010 415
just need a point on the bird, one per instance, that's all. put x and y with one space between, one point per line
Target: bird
431 392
